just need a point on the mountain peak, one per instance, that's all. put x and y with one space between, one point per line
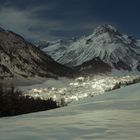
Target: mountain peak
112 47
106 28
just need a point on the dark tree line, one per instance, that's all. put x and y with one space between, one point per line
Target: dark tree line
13 102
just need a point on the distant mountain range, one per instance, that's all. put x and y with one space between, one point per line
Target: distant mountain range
104 50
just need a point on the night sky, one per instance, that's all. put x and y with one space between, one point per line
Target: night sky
59 19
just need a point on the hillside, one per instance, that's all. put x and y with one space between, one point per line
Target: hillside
112 116
20 59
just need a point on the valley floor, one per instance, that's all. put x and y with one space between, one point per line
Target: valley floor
65 90
112 116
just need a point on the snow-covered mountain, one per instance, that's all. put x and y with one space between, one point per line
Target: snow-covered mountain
105 48
19 58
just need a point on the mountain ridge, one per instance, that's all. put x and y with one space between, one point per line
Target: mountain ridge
117 50
21 58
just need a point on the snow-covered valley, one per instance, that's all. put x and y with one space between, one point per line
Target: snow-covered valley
86 72
112 116
65 90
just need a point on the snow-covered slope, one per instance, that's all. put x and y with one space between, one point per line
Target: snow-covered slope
112 116
56 49
106 44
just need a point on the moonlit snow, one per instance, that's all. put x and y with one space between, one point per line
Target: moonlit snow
112 116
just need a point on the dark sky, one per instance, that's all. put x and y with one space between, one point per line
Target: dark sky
57 19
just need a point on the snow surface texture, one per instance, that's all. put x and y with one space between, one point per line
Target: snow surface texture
112 116
106 42
66 90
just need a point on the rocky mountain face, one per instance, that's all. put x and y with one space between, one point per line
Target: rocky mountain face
106 45
21 58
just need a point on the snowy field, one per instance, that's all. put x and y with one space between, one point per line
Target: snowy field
67 90
112 116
